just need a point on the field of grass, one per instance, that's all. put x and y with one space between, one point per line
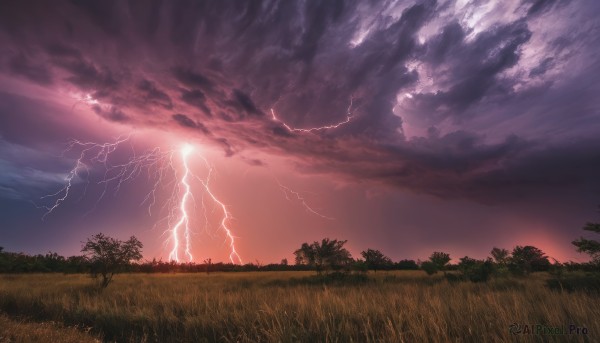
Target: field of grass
17 331
403 306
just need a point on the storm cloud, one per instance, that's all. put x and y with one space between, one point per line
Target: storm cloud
454 99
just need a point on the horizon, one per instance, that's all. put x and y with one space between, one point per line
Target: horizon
454 258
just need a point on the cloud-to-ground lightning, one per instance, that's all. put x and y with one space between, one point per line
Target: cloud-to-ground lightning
158 163
184 219
226 215
160 167
349 116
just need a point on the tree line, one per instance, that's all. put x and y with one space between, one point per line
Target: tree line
104 256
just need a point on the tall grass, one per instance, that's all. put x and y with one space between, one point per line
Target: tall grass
14 330
404 306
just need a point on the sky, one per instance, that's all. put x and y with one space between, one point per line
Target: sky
404 126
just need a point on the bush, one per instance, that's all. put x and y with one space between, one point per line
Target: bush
407 265
429 267
476 270
576 281
360 266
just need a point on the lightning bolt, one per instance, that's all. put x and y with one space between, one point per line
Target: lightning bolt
184 220
161 170
103 151
63 193
349 116
233 256
290 193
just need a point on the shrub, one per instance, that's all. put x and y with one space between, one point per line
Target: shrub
476 270
429 267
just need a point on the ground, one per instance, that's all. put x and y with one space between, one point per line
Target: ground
399 306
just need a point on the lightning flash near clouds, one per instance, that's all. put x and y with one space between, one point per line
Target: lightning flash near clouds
290 195
349 116
160 166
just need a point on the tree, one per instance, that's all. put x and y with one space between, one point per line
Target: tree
439 259
500 255
476 270
527 259
305 255
429 267
589 246
375 259
328 254
284 262
406 265
108 255
208 263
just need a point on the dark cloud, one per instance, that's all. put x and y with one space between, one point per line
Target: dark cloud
243 102
478 79
87 75
229 151
558 168
282 131
154 95
449 40
63 51
111 113
106 14
255 162
186 121
197 99
544 66
539 7
319 16
489 54
23 66
191 78
461 165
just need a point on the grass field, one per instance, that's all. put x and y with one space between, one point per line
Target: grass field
404 306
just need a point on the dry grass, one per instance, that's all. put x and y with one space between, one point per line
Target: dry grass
18 331
280 307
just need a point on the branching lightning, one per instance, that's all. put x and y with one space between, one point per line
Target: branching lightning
63 193
101 156
290 194
162 171
233 256
160 166
349 116
184 219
